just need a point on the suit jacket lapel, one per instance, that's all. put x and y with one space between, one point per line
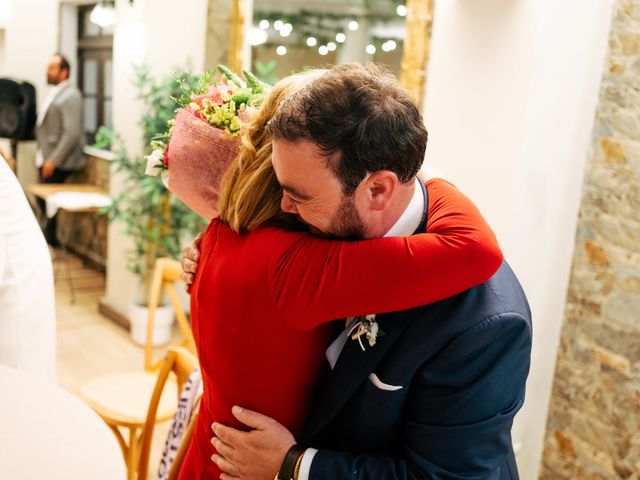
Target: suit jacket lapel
354 365
353 368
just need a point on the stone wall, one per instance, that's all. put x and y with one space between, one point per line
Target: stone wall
593 429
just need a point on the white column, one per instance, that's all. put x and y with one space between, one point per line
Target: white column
511 94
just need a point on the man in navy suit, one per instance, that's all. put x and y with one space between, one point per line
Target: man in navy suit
436 396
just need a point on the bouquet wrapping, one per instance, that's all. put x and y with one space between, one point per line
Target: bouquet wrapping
199 154
204 139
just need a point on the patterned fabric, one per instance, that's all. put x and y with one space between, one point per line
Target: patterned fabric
187 408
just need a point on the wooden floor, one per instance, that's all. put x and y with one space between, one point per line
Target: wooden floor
90 345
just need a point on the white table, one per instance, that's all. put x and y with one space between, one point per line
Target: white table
47 433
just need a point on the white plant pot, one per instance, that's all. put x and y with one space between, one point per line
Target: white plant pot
161 325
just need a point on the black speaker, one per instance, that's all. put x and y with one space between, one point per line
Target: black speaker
17 109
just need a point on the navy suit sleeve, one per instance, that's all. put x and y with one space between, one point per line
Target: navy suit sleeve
458 413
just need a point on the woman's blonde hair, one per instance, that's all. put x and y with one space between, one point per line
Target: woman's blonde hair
250 193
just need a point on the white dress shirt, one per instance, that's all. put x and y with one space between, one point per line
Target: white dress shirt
406 225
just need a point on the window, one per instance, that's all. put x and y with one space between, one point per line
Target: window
95 66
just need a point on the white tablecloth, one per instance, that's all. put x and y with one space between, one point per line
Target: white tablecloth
76 200
47 433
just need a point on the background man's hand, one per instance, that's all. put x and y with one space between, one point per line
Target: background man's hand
190 257
48 167
253 455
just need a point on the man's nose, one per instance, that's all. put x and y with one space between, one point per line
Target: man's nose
287 205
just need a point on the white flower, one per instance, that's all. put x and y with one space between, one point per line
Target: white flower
154 163
372 333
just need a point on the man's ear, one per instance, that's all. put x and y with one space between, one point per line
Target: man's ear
379 188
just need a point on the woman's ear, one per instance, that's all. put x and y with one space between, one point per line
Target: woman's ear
379 188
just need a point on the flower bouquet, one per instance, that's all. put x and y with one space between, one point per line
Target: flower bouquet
204 138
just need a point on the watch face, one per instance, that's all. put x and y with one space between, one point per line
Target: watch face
9 119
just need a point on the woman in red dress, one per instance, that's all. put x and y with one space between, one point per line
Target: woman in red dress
264 297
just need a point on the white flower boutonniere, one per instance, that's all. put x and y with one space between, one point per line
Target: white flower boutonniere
366 325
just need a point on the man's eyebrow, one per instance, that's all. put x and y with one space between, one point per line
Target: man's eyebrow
295 193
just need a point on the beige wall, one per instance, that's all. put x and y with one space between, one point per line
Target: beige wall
511 94
165 34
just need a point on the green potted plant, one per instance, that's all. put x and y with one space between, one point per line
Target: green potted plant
157 221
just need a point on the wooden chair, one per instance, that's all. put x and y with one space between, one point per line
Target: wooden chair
122 399
166 273
182 363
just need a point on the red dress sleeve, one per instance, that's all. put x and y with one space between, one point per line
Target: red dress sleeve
315 280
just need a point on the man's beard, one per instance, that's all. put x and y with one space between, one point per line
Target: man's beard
345 225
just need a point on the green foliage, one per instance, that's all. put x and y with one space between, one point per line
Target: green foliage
156 220
105 138
266 73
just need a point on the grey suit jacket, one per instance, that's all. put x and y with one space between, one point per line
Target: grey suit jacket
61 137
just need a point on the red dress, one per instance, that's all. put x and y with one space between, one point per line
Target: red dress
261 303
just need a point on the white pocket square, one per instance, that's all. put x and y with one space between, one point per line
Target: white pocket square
381 385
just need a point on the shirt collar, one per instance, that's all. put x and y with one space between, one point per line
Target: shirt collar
410 219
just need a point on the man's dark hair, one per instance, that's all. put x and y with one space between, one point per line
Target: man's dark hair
64 63
361 112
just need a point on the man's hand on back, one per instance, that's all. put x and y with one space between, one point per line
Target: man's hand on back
190 258
253 455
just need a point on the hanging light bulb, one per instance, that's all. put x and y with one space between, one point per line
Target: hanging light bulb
371 49
264 24
353 25
340 37
278 24
281 50
331 46
312 42
103 14
323 50
401 10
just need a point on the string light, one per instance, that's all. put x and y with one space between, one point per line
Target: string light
389 45
286 30
331 46
401 10
371 49
264 24
312 42
353 25
323 50
340 37
281 50
257 37
278 24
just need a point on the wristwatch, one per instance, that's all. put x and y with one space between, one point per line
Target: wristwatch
291 460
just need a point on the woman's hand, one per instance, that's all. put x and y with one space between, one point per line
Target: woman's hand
190 257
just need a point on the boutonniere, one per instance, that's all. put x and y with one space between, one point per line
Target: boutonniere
366 325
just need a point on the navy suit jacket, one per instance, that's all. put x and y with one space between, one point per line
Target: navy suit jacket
462 364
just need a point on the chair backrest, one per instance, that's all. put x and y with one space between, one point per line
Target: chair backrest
166 273
182 363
